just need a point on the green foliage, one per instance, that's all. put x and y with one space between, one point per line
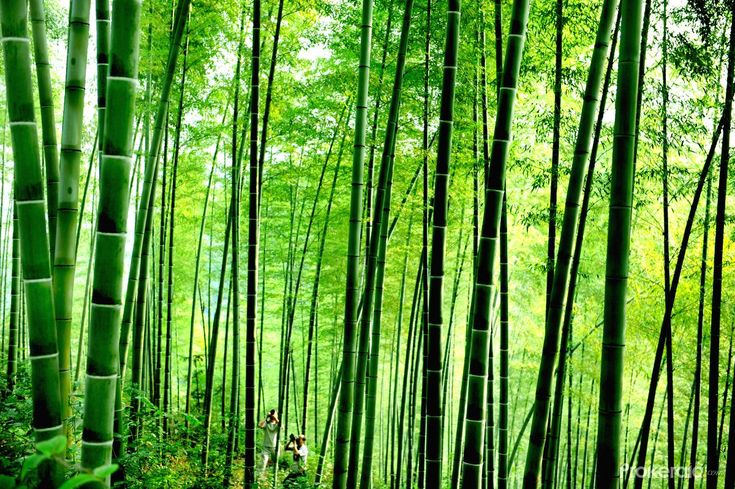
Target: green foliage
50 457
316 74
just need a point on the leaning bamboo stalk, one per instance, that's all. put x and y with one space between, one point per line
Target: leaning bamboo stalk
484 280
170 284
556 310
68 199
678 268
372 370
48 119
696 382
197 261
293 295
234 299
313 313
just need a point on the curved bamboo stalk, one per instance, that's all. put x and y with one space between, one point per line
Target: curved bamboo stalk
197 261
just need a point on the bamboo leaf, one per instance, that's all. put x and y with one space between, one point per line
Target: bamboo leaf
54 446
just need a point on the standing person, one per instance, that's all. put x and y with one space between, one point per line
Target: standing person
270 425
297 445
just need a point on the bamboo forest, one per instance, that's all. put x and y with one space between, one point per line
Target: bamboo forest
374 244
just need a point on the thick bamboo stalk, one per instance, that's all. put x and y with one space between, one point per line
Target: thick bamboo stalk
434 415
34 243
104 329
102 19
138 273
375 274
618 248
234 421
374 130
371 264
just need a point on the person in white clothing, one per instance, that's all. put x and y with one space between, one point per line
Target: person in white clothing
270 425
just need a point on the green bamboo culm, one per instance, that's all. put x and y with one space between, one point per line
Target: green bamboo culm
253 244
344 418
719 236
48 118
14 307
102 23
368 354
115 169
68 204
434 413
555 316
34 243
713 444
484 281
618 248
137 270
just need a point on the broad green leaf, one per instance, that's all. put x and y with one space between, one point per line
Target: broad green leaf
105 470
54 446
30 463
